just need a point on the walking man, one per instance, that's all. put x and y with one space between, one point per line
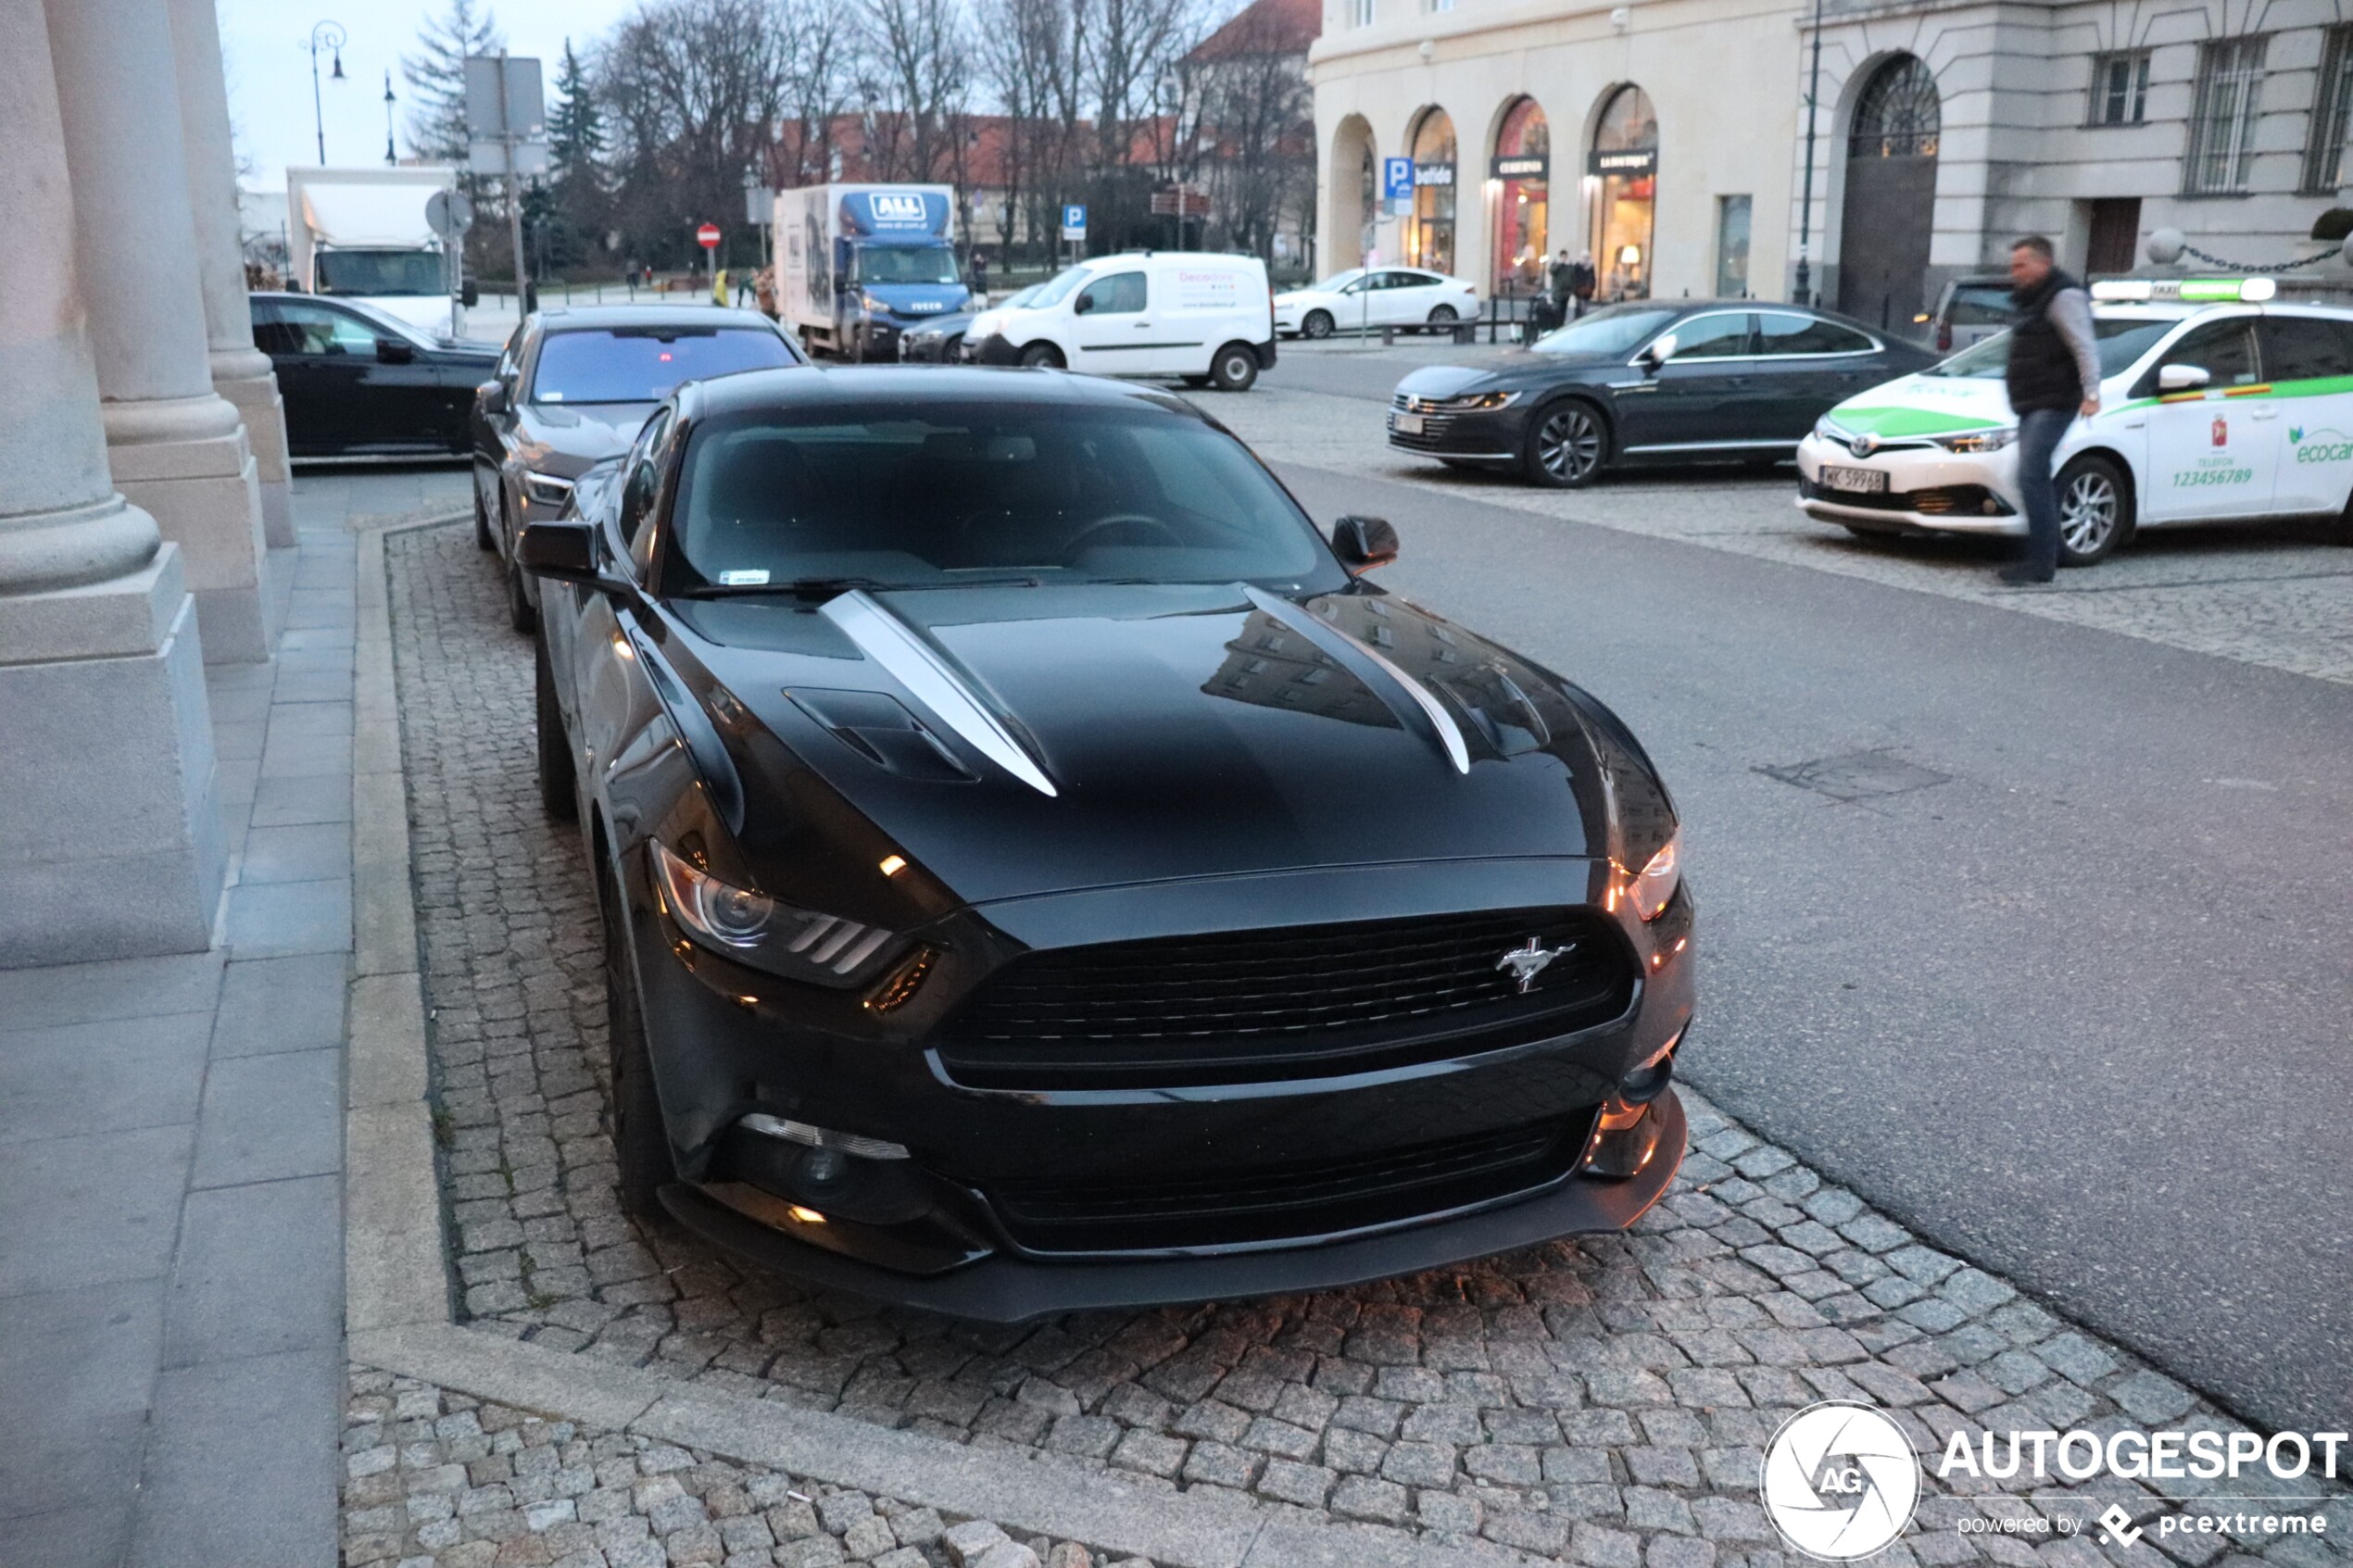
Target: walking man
2054 376
1583 281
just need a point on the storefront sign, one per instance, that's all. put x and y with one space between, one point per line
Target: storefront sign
1433 174
1531 166
1644 160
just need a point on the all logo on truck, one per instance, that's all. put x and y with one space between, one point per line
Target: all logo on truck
897 208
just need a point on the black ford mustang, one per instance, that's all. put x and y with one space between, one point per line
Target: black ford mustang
1646 384
1039 871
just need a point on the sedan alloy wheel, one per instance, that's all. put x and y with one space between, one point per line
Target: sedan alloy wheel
2095 516
1316 325
1566 446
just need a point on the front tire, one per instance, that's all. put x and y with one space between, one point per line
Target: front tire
1041 357
1566 445
1234 369
2095 510
558 797
1441 319
640 1141
1317 325
521 614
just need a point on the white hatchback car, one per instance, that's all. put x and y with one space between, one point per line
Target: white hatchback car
2215 403
1368 298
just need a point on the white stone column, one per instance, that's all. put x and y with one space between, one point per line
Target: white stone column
177 447
240 372
110 835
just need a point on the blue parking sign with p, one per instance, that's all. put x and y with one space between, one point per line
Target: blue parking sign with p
1075 221
1397 178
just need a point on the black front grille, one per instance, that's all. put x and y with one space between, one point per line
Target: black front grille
1293 1202
1434 430
1935 500
1293 1002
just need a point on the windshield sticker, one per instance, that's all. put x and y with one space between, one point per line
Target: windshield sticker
752 577
2321 446
552 397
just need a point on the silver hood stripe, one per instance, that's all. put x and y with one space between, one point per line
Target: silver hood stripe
1299 620
890 643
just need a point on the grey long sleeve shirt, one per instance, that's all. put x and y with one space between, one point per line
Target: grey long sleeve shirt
2071 313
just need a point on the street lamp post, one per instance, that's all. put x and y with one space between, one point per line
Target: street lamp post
1805 202
391 158
331 37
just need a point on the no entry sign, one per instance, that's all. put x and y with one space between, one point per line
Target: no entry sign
707 236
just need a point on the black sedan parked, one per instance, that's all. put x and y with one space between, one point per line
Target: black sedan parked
1039 871
357 382
571 389
1646 382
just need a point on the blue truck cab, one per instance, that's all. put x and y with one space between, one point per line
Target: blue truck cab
862 264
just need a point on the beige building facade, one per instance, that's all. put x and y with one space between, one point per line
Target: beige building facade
1672 138
1653 135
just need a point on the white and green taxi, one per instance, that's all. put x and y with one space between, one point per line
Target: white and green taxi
2216 402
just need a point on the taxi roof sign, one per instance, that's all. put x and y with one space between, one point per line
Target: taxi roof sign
2189 291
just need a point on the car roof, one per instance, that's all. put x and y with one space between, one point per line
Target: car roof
584 318
916 386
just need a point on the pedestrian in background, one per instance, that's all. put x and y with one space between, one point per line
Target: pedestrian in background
980 276
1583 282
2053 377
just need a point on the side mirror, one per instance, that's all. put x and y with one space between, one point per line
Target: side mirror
470 296
392 351
1082 304
1662 349
492 396
565 551
2182 378
1364 542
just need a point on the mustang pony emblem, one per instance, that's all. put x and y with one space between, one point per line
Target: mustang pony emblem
1526 963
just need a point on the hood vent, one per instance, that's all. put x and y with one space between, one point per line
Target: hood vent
934 682
878 727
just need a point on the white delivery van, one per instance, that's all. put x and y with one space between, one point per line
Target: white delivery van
1207 318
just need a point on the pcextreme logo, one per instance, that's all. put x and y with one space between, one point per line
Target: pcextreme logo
2326 446
1840 1481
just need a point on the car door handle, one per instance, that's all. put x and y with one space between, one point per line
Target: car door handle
2264 411
1143 326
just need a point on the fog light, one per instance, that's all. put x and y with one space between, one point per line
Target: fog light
1625 1138
854 1144
823 1168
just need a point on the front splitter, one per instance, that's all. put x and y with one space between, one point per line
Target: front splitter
1010 1290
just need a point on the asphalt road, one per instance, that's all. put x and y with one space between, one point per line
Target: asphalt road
2046 954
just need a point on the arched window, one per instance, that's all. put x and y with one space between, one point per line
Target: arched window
1897 114
1624 164
1523 171
1430 240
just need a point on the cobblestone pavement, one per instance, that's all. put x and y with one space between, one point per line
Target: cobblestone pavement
1604 1399
2277 594
433 1479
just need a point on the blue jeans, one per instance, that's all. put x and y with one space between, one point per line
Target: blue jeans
2039 433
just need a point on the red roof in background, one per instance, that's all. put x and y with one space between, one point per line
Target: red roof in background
1263 27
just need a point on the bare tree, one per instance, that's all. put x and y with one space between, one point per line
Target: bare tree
916 51
1254 141
437 74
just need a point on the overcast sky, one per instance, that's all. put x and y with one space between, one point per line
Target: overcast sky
267 45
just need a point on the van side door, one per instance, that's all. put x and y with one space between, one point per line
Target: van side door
1112 327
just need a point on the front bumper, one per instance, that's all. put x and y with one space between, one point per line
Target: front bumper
1929 489
959 1227
994 349
1495 435
1008 1288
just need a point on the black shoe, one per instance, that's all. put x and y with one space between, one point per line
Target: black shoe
2020 576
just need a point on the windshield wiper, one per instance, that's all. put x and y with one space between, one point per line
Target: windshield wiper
826 587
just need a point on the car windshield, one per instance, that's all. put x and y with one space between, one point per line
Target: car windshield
644 364
1054 290
381 272
893 495
2121 340
1337 282
906 264
1614 329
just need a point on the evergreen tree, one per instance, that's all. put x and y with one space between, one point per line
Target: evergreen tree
576 125
437 76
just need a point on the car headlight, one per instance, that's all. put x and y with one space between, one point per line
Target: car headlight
873 305
1473 402
752 928
1825 431
546 489
1977 441
1653 887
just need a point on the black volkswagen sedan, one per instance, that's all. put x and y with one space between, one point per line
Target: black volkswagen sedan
1646 384
571 389
357 382
1040 871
